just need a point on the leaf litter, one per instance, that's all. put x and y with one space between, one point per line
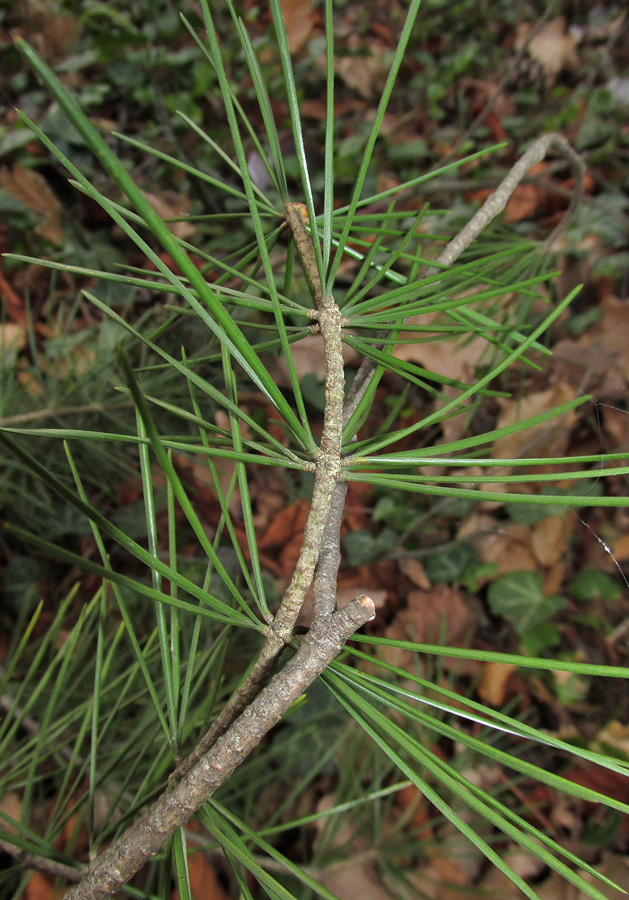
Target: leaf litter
411 605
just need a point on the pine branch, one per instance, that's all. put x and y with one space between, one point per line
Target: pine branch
256 708
327 476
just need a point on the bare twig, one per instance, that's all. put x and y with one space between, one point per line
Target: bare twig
479 221
41 863
50 412
499 199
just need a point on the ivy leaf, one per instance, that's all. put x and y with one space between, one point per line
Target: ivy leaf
592 585
519 598
363 547
450 565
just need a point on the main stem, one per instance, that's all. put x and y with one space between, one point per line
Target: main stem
257 706
327 475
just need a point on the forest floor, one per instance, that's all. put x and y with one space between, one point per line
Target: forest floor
476 75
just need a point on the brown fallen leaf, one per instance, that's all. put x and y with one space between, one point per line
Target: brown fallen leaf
171 205
283 525
418 811
308 358
509 547
204 881
527 199
299 20
415 572
621 547
41 887
13 305
12 340
615 734
365 74
440 615
551 47
545 439
555 577
452 358
32 189
612 329
550 536
11 808
281 543
492 687
355 876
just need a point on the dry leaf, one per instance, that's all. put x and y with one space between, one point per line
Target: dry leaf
415 572
621 547
409 798
40 887
46 28
12 303
32 189
355 876
612 330
365 74
616 425
613 784
460 861
614 867
451 358
204 882
598 362
615 734
11 807
551 47
170 205
594 369
283 526
299 18
441 614
284 537
12 340
269 490
545 439
509 548
492 688
308 358
555 577
550 537
527 199
79 361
